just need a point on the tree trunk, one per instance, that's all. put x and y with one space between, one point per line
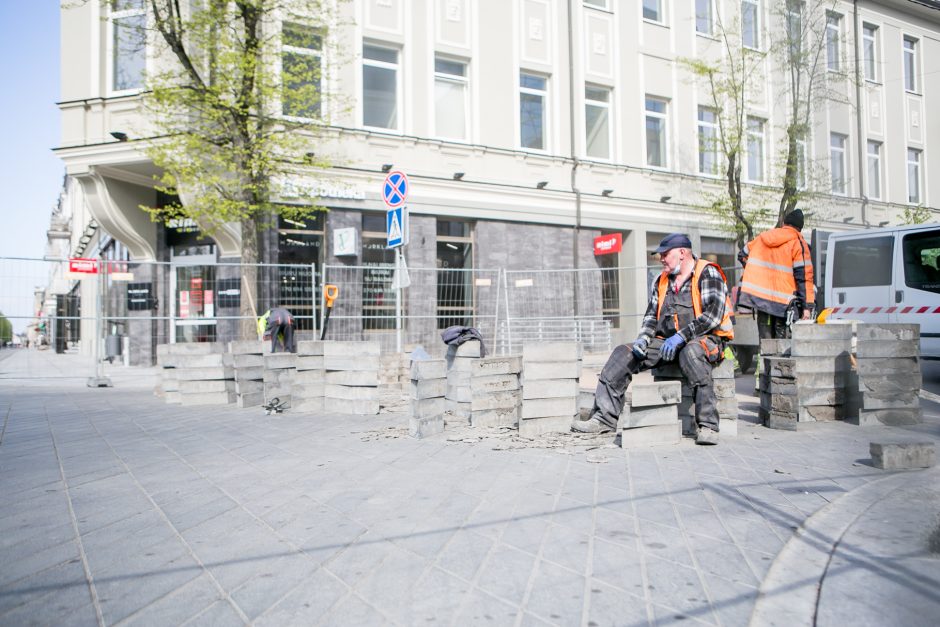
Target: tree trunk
790 194
251 254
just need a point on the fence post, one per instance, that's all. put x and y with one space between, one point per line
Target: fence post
508 321
99 380
313 298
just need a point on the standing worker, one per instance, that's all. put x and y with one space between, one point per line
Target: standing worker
778 276
688 320
280 323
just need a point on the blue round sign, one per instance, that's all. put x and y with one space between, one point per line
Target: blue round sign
395 189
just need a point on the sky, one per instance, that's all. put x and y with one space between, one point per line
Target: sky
31 173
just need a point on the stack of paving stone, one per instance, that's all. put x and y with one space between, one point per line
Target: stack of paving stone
779 404
279 371
494 391
650 414
204 373
459 398
308 385
889 375
352 377
823 354
169 385
248 362
428 388
723 381
394 377
550 387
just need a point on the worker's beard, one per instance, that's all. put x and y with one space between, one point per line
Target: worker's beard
675 271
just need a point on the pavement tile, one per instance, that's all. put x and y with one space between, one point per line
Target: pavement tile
677 587
619 566
306 603
506 573
53 604
611 607
556 594
355 561
271 581
567 548
723 559
480 608
464 553
35 590
219 614
352 610
178 606
732 600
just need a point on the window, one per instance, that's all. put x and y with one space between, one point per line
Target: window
755 150
707 141
533 91
703 17
454 279
378 297
913 176
600 4
128 44
864 262
380 107
300 246
610 287
874 170
750 23
837 162
922 260
597 122
653 10
870 51
450 99
656 132
910 64
301 49
833 55
794 30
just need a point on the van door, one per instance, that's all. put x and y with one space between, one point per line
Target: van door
858 285
917 286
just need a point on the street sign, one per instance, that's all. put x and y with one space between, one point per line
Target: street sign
395 189
84 266
396 227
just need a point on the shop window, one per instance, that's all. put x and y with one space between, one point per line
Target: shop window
300 250
610 288
378 299
454 273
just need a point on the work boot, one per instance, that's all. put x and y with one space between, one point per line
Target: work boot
706 435
591 425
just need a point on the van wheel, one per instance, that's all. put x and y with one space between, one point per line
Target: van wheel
745 357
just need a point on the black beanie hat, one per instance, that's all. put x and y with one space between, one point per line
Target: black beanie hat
795 219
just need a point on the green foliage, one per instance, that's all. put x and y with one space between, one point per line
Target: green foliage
918 214
234 102
6 330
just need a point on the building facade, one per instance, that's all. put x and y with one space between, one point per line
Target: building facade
527 129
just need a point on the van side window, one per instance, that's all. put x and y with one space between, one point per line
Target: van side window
863 262
922 260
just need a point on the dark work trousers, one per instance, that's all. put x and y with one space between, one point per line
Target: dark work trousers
772 327
288 331
696 360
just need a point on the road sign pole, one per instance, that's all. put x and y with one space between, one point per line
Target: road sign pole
398 312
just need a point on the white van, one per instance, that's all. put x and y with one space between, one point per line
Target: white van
887 275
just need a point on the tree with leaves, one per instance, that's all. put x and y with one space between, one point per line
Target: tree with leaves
234 99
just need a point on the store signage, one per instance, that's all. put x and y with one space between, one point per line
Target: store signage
302 189
83 266
230 292
608 244
140 297
344 242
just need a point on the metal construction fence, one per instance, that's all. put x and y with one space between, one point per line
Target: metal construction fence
123 309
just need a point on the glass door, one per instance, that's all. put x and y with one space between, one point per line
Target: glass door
194 303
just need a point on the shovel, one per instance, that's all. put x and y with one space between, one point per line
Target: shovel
330 292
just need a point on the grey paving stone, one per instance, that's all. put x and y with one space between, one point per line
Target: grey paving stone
612 607
482 608
352 610
272 582
307 602
677 587
506 573
178 606
219 614
464 553
556 593
125 591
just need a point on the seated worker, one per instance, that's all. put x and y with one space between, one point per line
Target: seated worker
280 325
688 320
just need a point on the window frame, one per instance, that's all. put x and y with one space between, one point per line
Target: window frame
114 16
597 4
760 136
873 40
757 24
702 127
287 49
541 93
833 25
608 109
873 164
660 12
841 152
463 81
663 119
383 65
909 63
917 164
709 18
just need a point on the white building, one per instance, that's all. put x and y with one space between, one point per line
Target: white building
522 122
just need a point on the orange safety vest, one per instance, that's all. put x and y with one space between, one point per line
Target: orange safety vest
726 328
768 281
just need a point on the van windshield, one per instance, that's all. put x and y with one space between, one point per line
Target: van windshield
922 260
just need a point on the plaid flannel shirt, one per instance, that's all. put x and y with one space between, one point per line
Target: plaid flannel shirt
714 291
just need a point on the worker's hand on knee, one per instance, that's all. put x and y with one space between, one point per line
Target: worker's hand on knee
671 347
639 348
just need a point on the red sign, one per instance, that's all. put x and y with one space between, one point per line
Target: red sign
86 266
608 244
